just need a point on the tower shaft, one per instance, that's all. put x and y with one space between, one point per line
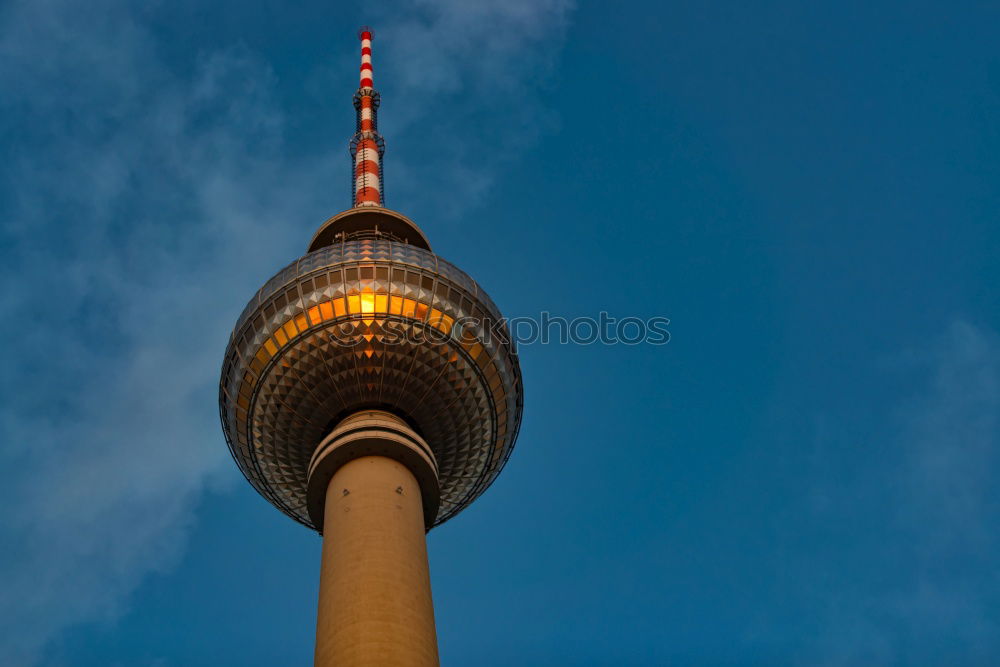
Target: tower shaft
375 605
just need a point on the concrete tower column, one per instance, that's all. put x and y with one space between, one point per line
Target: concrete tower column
375 604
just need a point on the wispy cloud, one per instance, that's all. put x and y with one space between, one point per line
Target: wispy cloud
938 520
140 206
446 65
132 200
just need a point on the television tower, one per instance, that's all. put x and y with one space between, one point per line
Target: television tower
370 391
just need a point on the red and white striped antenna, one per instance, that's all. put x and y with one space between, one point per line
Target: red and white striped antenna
367 146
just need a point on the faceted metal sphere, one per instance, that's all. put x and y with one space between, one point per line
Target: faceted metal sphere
361 324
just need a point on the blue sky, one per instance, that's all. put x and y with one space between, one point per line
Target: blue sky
809 191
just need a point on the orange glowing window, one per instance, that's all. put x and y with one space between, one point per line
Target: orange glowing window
421 310
395 305
300 322
409 307
326 310
445 323
290 329
262 355
381 303
339 307
437 320
271 347
280 336
367 302
314 315
354 304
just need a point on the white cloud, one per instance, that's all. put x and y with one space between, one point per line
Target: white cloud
138 206
444 64
939 518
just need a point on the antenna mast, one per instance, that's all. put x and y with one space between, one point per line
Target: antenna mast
367 146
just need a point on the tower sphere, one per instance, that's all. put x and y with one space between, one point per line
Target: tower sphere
370 319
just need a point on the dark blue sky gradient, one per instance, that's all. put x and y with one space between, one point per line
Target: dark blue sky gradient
809 191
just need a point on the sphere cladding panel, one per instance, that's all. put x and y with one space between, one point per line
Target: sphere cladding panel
361 324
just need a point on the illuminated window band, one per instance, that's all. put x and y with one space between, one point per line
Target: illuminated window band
378 306
366 303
